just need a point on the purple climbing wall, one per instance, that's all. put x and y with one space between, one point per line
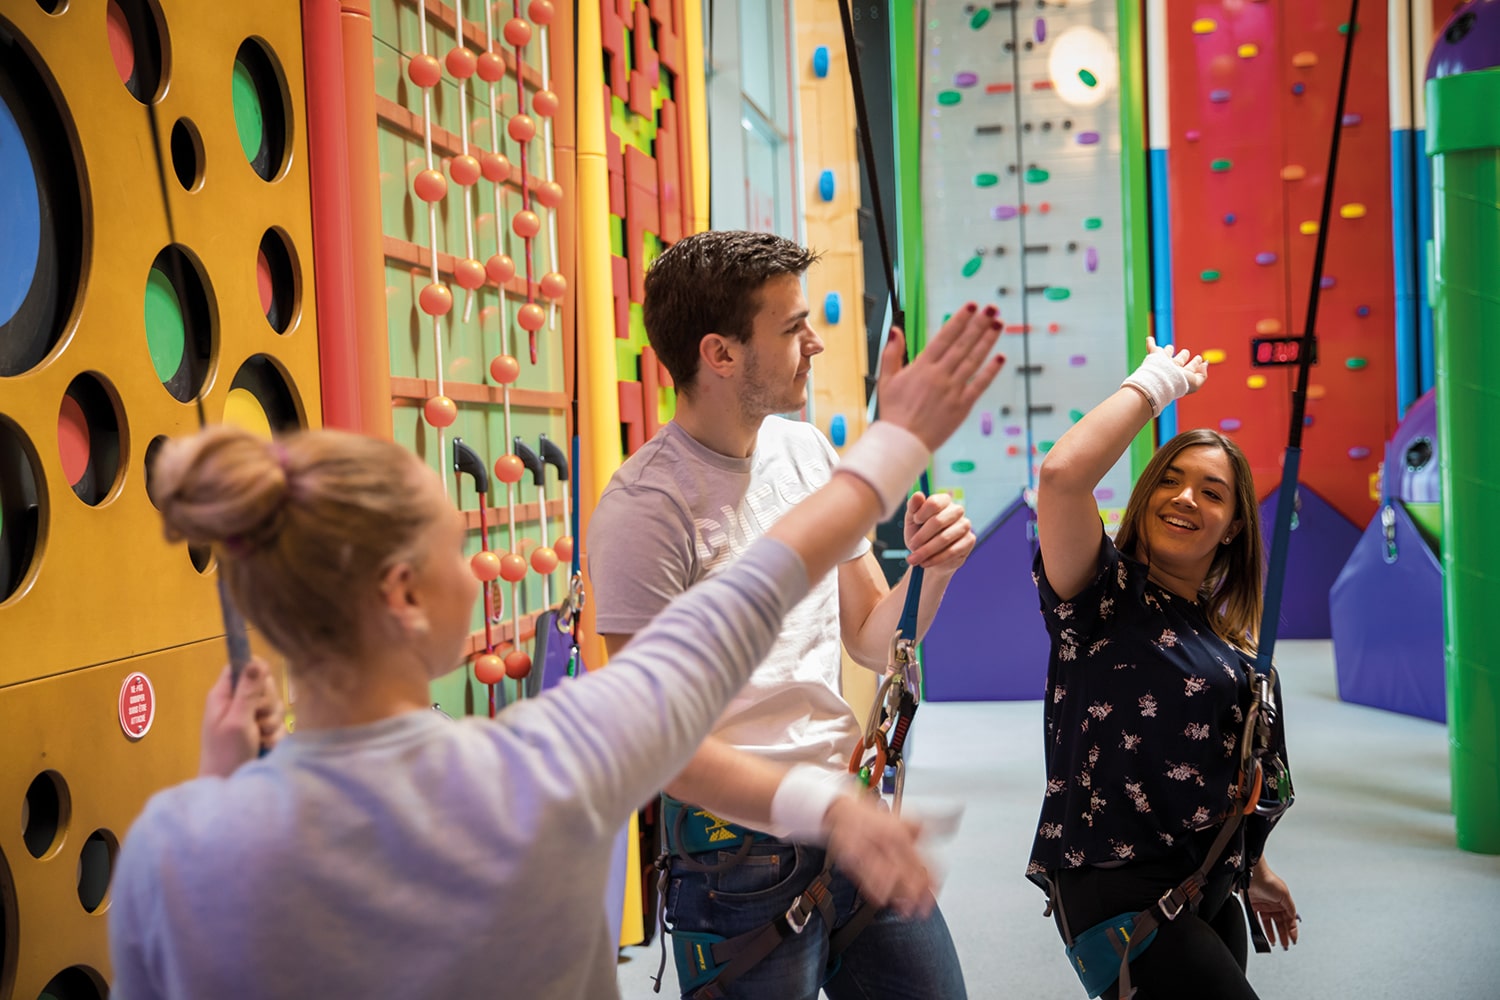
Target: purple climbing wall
1321 542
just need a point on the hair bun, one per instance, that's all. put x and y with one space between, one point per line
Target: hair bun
221 486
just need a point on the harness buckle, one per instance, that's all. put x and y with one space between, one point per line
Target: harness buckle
798 914
1172 908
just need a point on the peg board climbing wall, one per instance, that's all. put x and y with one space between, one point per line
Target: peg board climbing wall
480 342
1252 98
113 322
1021 206
650 187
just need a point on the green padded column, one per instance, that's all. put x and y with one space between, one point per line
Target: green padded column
1463 139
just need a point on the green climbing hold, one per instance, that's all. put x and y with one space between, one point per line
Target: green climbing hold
980 19
947 317
949 98
1045 446
963 466
1075 415
971 268
1344 28
1093 222
1089 79
1220 166
1209 275
1036 175
986 180
1355 364
1057 294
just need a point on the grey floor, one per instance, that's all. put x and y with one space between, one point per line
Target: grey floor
1391 908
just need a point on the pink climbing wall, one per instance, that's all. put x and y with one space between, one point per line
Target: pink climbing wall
1252 99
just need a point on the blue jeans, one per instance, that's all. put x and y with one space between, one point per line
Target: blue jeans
892 957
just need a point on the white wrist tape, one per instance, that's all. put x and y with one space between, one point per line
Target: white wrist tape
1161 379
802 800
889 458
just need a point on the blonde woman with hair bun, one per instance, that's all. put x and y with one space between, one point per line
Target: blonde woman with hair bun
387 850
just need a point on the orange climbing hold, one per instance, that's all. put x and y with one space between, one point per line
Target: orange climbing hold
1305 60
1292 172
1268 327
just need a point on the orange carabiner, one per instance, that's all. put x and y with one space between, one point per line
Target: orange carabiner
877 769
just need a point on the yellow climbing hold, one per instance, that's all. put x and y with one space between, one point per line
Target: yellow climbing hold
1317 391
1256 381
1214 356
1270 327
1308 228
1292 172
1305 60
1248 51
1353 210
1205 26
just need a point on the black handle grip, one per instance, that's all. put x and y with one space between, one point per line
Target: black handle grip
466 462
532 461
553 456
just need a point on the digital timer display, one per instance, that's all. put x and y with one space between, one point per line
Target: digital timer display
1268 352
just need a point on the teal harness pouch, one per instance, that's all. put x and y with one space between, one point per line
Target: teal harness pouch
1095 957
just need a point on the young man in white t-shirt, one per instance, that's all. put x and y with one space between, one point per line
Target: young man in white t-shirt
727 316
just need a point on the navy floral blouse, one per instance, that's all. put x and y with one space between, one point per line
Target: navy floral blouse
1144 712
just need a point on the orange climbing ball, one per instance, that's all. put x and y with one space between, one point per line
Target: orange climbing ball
460 62
544 103
494 166
512 568
517 32
549 194
525 224
517 664
500 268
505 369
543 559
424 70
486 565
509 469
541 12
564 548
469 273
440 411
430 185
554 286
488 668
521 128
435 300
490 67
531 317
464 169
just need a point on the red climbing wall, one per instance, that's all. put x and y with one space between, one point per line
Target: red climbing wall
1252 99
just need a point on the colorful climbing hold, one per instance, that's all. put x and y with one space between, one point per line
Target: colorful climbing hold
1209 275
1229 219
1045 446
1256 382
1013 431
965 79
1039 31
980 18
1214 356
1264 258
1078 360
1249 50
1192 135
1353 210
1002 212
1358 453
1327 281
1088 138
1317 391
962 466
1088 78
1229 425
1268 327
971 267
986 180
986 423
1091 260
1344 28
1308 228
1355 364
1056 294
1220 166
1362 311
1075 415
1305 60
948 98
1219 96
1093 222
1352 119
1299 88
1204 26
1292 172
1036 175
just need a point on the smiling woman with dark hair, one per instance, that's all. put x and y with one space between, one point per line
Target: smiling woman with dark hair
1148 690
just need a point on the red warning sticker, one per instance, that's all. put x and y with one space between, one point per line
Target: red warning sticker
137 705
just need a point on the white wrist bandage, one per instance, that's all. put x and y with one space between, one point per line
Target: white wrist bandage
1161 380
889 458
802 800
